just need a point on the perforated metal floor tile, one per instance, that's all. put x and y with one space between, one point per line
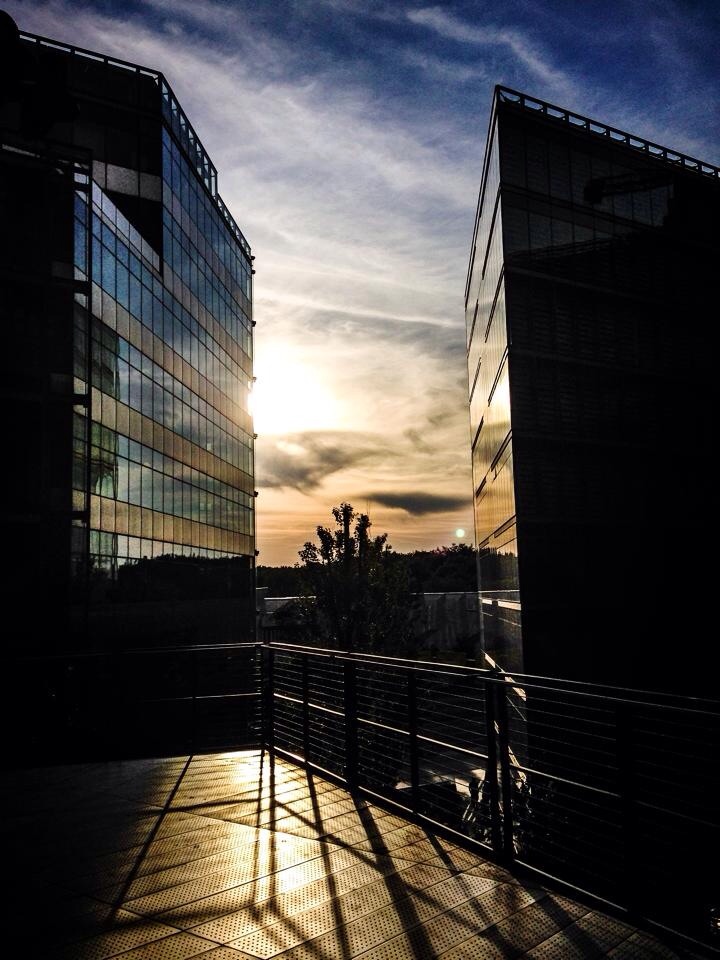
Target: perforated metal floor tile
643 946
281 863
179 946
225 953
118 940
519 932
316 908
440 932
593 935
302 878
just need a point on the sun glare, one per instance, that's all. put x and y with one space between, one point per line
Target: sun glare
289 397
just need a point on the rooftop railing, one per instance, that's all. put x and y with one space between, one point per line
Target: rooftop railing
173 114
610 792
615 135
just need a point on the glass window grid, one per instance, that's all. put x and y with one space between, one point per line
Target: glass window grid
108 551
123 276
105 209
130 472
127 475
80 245
209 231
548 167
211 311
205 236
123 373
107 221
492 462
495 505
234 291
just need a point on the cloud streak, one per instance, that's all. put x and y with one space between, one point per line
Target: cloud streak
518 45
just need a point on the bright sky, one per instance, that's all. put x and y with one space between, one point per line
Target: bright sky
348 136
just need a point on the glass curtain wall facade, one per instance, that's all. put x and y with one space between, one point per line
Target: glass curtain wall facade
590 397
491 428
150 491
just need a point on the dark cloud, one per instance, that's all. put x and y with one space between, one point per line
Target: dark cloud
303 461
418 503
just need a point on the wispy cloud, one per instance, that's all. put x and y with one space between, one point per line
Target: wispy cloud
531 56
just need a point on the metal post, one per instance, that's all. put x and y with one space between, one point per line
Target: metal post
268 704
193 714
304 674
628 812
491 772
351 725
506 783
413 742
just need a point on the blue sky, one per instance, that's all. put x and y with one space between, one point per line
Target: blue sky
348 137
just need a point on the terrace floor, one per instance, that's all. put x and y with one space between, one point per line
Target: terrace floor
230 856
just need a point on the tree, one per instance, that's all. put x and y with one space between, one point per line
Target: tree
357 596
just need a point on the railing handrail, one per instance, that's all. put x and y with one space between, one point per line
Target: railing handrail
134 651
515 679
578 121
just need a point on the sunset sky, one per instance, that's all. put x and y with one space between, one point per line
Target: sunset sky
348 137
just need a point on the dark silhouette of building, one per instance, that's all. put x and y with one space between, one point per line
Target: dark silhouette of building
589 304
126 312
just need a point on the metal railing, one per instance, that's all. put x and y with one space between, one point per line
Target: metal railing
609 791
578 121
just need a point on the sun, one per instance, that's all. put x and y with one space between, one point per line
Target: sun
290 396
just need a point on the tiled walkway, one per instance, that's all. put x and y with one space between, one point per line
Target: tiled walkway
230 856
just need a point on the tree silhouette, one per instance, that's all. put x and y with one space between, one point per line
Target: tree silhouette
357 597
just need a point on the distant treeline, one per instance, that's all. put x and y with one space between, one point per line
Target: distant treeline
443 570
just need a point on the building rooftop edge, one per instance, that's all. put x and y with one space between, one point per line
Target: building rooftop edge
595 128
183 129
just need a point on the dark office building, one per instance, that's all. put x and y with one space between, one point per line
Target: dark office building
590 306
127 361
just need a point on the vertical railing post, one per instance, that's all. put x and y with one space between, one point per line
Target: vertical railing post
193 708
351 725
268 699
491 773
628 813
506 783
305 681
413 741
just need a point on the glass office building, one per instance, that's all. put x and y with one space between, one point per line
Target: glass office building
129 322
588 307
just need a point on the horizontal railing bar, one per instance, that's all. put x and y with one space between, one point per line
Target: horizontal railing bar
201 696
532 681
567 782
450 746
135 651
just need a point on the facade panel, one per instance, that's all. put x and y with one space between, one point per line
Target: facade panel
490 424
